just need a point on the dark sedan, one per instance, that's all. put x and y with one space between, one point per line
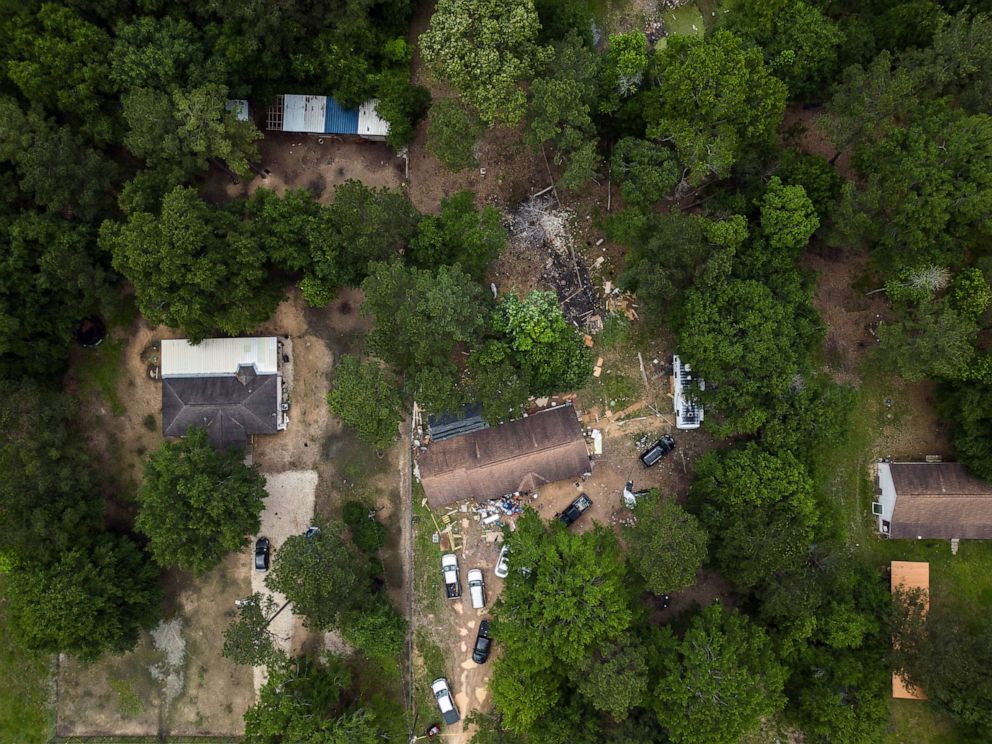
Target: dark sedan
262 554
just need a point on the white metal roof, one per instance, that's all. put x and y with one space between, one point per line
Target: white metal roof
304 113
219 356
369 122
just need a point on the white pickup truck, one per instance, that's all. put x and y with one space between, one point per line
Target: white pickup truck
476 589
449 569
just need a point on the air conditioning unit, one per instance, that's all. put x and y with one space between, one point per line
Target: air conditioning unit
876 509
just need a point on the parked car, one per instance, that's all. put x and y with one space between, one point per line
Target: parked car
449 568
575 510
658 450
476 589
502 569
480 654
262 554
445 701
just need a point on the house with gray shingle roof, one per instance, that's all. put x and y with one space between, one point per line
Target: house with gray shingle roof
232 387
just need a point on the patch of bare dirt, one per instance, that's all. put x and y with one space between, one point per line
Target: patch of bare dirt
813 139
301 161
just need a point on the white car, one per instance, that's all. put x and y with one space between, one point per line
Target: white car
476 589
444 701
502 569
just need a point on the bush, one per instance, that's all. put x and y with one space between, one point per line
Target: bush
369 535
354 513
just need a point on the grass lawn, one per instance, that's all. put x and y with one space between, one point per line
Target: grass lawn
25 715
99 371
846 492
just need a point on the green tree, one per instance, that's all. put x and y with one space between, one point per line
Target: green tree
49 501
497 382
248 640
379 631
715 99
968 406
788 217
366 400
925 191
50 278
799 42
670 253
613 678
815 174
402 103
452 133
666 544
748 346
158 53
625 61
463 235
561 104
304 699
93 599
647 172
197 504
759 510
361 226
485 48
548 348
946 650
209 130
60 60
193 267
323 575
431 311
722 680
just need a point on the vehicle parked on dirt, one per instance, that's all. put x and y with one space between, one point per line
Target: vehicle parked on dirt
502 569
476 589
449 568
262 554
480 654
575 510
658 450
442 693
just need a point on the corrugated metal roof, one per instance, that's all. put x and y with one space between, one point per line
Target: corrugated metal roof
369 122
304 113
218 356
340 120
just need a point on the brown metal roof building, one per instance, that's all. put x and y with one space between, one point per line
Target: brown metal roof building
522 455
933 500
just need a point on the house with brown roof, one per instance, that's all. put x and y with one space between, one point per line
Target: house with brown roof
931 500
521 455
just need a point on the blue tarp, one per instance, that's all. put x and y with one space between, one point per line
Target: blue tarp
340 120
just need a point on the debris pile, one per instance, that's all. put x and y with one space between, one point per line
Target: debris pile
539 224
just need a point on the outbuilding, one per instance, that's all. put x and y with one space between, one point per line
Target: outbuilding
308 114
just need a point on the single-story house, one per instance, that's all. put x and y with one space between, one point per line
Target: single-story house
521 455
931 500
909 575
233 387
322 115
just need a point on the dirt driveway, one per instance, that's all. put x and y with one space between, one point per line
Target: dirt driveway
288 511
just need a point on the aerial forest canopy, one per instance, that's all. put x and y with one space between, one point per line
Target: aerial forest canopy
725 162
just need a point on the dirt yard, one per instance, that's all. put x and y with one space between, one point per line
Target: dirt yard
298 161
175 682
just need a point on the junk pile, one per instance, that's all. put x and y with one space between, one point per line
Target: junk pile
539 223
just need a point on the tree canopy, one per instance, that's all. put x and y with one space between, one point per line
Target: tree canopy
197 504
667 546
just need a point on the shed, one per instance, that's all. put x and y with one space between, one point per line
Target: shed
908 575
521 455
322 115
232 387
932 500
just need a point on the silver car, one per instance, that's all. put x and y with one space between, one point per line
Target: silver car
445 702
502 569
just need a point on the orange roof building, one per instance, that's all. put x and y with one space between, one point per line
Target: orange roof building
908 575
